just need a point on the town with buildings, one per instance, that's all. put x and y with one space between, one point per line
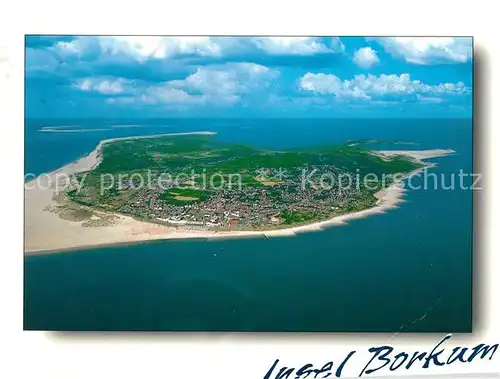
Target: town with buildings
276 202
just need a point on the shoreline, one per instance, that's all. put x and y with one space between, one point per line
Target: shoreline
46 233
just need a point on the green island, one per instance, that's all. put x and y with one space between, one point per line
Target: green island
198 181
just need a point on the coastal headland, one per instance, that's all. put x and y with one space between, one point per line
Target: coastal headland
58 221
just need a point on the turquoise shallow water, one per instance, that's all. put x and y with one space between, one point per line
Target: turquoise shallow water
380 273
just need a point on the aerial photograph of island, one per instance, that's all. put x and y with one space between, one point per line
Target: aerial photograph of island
248 184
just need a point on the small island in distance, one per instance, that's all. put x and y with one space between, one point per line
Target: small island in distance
188 185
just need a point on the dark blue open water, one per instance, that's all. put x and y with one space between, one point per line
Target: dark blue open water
374 274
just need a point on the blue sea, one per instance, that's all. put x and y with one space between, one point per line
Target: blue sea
408 270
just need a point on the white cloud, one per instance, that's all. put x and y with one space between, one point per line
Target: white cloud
75 46
365 57
104 86
227 79
429 50
370 86
146 47
222 84
78 47
141 47
321 83
296 45
160 47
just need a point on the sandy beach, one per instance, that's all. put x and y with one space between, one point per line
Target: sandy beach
47 232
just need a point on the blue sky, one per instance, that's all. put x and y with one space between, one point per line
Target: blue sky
90 76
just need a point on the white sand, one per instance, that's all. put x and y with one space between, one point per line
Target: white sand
46 232
72 130
415 154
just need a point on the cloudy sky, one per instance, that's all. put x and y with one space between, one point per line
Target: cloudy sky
86 76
